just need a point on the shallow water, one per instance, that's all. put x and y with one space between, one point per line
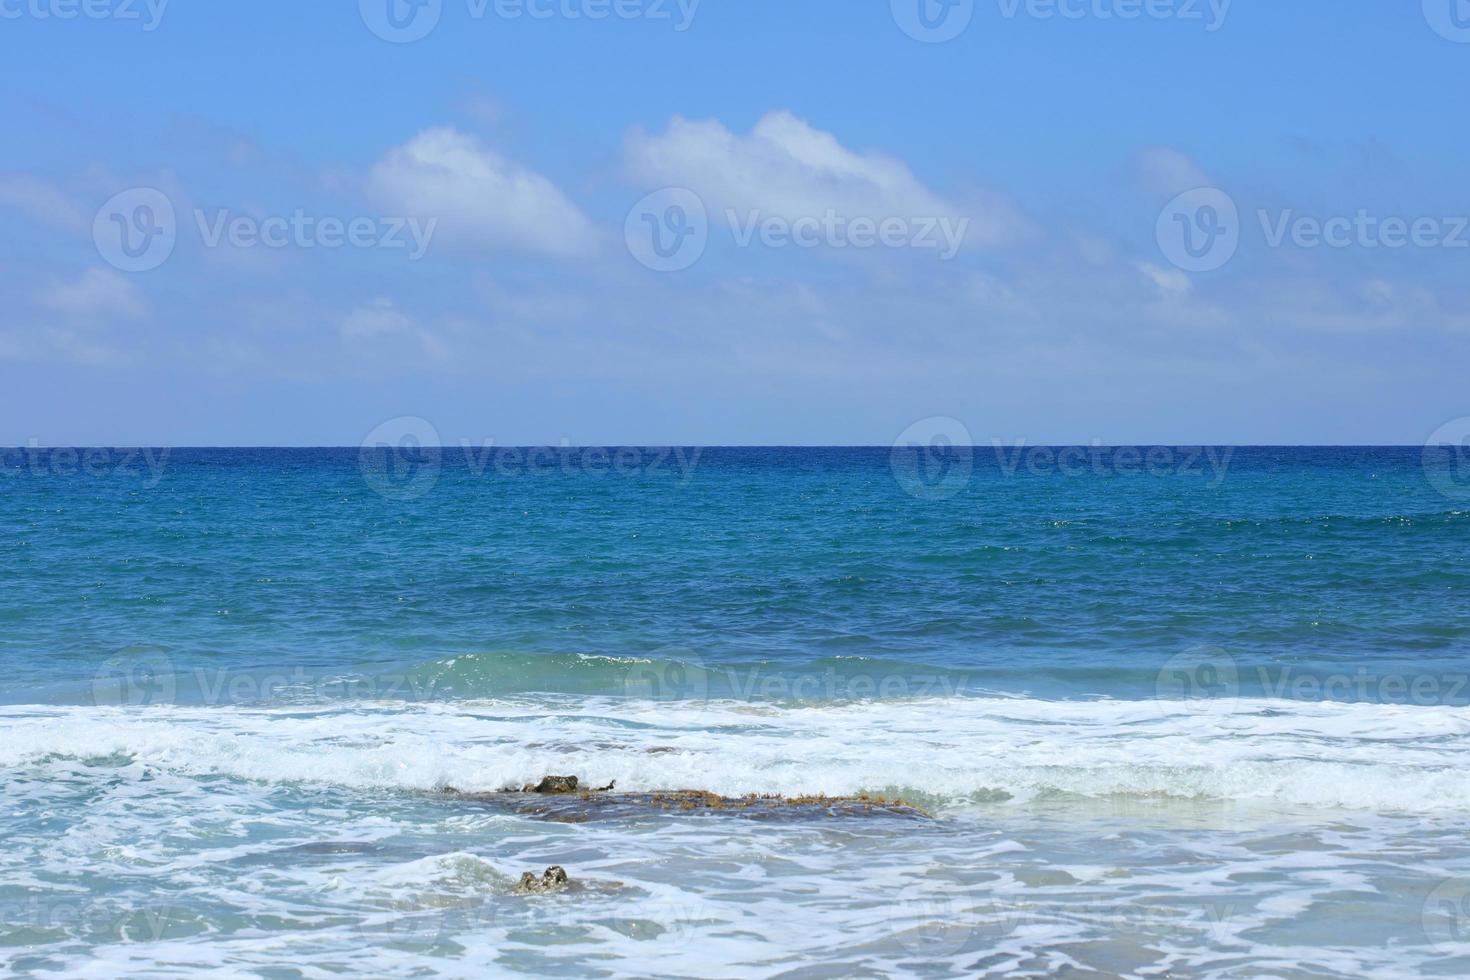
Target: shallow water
1197 722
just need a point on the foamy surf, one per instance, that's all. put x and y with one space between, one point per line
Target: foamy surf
949 753
1133 839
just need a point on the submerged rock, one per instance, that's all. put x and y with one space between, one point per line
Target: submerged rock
572 804
553 786
553 879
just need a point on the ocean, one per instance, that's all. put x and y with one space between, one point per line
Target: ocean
1153 711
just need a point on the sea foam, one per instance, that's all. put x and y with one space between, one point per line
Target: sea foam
945 752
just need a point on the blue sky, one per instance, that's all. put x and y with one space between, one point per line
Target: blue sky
1033 175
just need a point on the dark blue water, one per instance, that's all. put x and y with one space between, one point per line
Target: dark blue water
1029 573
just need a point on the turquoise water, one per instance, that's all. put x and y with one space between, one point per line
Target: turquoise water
1174 711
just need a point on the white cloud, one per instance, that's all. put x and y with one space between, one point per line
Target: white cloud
481 199
382 321
41 201
993 296
83 350
1171 283
99 292
786 168
1164 170
1372 306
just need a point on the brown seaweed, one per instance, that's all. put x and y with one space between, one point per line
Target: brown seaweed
559 798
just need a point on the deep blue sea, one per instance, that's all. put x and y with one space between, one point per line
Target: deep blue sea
1173 711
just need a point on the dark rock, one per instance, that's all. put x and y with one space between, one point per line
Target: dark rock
554 785
553 879
562 798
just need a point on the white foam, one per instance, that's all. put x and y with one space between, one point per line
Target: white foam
949 752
